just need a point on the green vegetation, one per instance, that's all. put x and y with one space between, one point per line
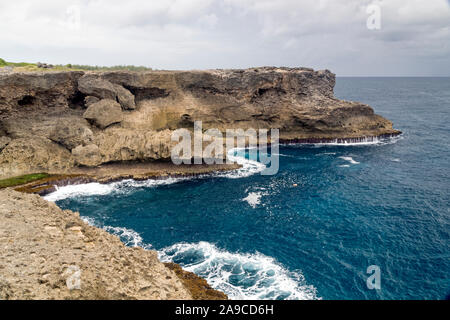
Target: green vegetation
25 66
103 68
16 181
4 63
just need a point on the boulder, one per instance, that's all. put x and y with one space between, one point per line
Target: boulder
125 98
104 113
93 86
90 100
87 155
103 89
71 133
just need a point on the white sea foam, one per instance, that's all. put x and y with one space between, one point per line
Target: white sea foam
128 236
325 154
283 155
249 166
361 142
253 199
87 189
344 166
349 159
94 188
90 221
239 275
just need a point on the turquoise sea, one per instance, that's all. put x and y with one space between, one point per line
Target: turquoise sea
385 203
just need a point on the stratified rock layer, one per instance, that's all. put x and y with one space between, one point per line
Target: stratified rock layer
148 106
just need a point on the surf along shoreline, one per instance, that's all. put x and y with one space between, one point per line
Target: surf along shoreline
115 172
157 170
46 183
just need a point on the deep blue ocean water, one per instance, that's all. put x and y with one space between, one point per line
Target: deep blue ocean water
254 236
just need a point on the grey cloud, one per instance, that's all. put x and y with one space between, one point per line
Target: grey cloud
187 34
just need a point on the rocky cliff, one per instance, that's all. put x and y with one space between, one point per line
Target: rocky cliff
49 253
55 121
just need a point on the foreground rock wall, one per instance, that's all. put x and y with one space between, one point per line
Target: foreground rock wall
43 247
41 244
54 121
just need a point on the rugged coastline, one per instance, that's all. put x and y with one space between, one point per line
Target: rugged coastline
44 246
80 127
113 172
58 121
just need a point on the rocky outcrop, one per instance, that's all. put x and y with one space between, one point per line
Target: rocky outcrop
131 115
4 142
71 134
43 246
49 253
90 100
104 113
34 154
87 155
91 85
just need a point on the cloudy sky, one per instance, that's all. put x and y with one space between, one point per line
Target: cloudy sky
411 37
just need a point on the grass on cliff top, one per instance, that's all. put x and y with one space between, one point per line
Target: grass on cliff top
16 181
27 67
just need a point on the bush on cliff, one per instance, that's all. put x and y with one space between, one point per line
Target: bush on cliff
2 62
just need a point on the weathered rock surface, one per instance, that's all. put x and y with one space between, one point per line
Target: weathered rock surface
4 142
93 85
43 248
90 100
87 155
125 98
104 113
71 134
33 155
145 107
40 242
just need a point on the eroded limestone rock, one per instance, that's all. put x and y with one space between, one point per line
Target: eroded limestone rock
4 142
29 155
93 85
88 100
70 134
43 246
297 101
87 155
104 113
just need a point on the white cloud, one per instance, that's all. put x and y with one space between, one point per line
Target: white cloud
232 33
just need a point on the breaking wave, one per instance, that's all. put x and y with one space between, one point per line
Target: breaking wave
87 189
240 275
253 199
364 141
128 236
249 167
349 159
94 188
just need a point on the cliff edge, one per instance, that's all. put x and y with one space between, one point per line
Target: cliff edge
55 121
49 253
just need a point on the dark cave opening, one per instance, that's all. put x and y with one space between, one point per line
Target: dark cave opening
26 101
